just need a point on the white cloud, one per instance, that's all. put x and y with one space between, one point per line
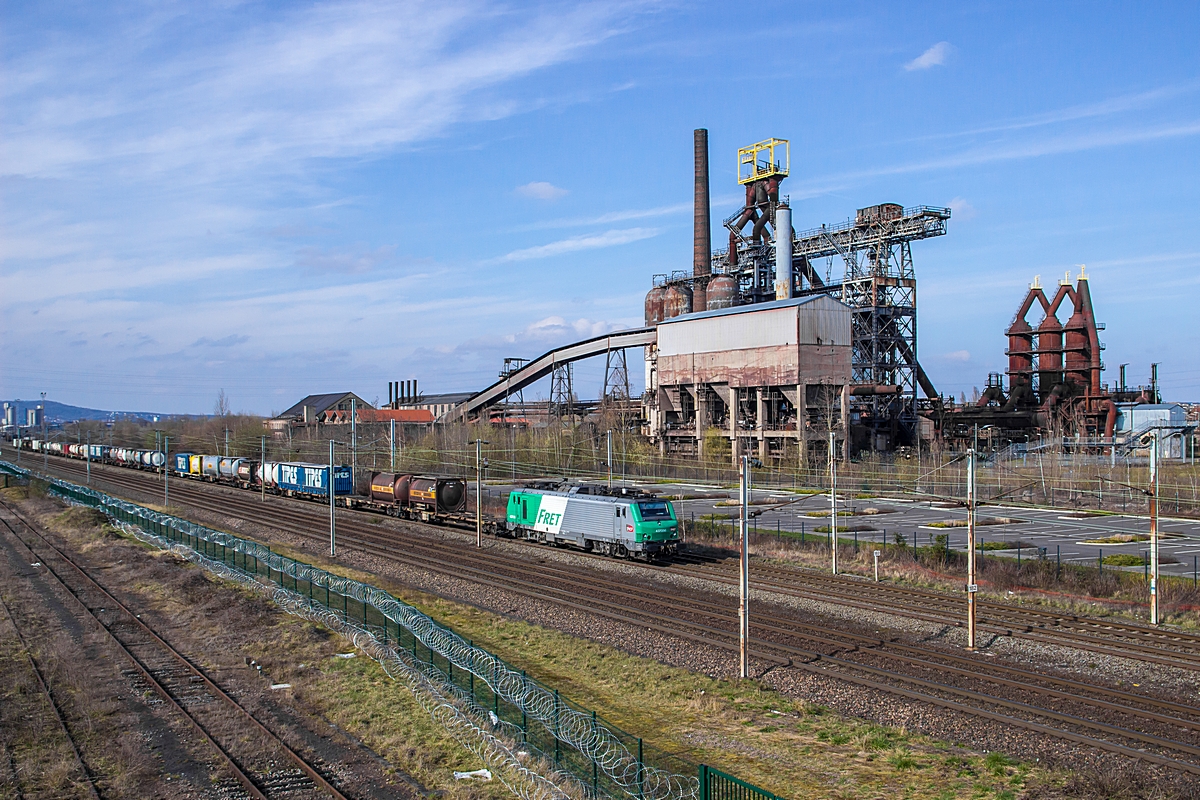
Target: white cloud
329 80
933 57
541 190
316 259
577 243
958 355
610 217
961 209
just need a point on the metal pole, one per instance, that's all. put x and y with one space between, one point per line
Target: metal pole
833 504
262 472
744 574
45 452
166 471
332 538
610 459
972 587
1154 611
478 493
392 442
89 457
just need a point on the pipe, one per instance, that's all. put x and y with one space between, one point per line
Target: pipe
1052 399
1110 422
762 200
869 390
701 222
783 253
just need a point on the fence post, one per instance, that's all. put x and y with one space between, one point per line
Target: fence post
557 744
703 782
641 767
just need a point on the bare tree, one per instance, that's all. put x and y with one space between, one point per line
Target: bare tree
221 407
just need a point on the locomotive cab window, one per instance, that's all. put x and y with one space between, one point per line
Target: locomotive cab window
657 510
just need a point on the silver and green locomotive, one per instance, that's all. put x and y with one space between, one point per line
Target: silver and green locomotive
643 527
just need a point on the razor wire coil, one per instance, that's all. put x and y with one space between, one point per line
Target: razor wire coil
595 741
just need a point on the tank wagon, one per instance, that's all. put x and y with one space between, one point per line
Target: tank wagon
643 527
424 497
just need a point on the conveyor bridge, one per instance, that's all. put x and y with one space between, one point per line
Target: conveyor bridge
543 365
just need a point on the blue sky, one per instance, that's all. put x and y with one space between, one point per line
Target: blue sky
278 199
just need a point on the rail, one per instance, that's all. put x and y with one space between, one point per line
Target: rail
490 706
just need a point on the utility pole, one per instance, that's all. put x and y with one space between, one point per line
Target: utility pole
1154 529
392 442
262 471
227 442
972 587
166 471
353 439
833 543
744 573
479 443
610 459
45 451
332 538
89 457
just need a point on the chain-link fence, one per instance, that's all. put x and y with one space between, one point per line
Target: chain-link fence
540 743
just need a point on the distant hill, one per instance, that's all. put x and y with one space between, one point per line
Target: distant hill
61 412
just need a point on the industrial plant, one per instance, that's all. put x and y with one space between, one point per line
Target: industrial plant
785 344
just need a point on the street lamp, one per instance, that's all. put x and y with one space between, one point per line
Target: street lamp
833 542
1154 446
972 586
45 451
744 573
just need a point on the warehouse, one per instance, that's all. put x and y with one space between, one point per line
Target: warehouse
769 379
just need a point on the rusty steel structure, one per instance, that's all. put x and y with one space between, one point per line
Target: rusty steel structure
876 280
1054 385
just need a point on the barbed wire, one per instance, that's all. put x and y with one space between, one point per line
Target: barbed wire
447 703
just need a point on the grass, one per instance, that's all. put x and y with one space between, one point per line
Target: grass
1120 538
962 523
783 744
1011 545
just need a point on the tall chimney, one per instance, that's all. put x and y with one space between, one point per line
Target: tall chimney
702 228
783 253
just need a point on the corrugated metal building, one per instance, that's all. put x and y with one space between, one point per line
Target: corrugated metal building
772 377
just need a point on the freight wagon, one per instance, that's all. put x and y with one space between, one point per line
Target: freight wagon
313 480
641 527
422 497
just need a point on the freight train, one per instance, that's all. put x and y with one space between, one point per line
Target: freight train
623 523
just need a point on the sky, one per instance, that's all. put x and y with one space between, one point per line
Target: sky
278 199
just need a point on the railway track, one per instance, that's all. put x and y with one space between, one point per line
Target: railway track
1114 720
89 780
181 684
1101 636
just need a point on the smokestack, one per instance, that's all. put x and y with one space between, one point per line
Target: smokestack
783 253
702 227
414 392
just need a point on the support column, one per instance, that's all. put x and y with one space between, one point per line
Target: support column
733 423
846 422
701 418
801 422
760 422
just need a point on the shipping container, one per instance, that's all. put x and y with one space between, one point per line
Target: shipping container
313 479
181 462
210 466
195 462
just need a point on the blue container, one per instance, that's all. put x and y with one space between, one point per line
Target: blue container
181 463
313 479
98 451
